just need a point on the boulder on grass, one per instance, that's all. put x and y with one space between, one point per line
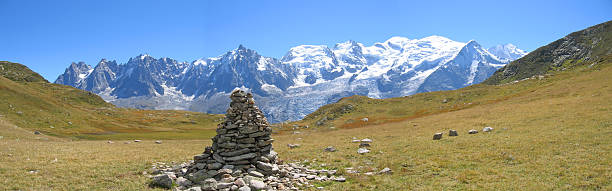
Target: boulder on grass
162 181
452 133
437 136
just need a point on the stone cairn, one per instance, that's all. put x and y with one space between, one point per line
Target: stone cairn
240 158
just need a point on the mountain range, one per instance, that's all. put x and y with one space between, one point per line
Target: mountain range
289 88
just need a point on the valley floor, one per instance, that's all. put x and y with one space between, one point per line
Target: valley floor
554 138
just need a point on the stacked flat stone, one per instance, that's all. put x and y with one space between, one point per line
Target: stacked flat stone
243 139
240 158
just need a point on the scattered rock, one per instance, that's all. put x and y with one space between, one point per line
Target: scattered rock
366 140
385 171
36 133
162 181
183 182
330 149
158 142
364 144
137 141
110 142
223 185
292 146
452 133
244 188
472 131
487 129
256 174
257 185
365 119
340 179
127 142
444 101
239 182
362 150
210 184
356 141
437 136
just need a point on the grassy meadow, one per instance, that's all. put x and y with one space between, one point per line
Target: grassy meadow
550 134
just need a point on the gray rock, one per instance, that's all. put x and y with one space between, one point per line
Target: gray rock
202 175
366 140
364 144
162 181
256 174
136 141
158 142
330 149
201 157
452 133
36 133
257 185
209 184
244 188
234 188
487 129
181 181
437 136
340 179
266 167
224 171
222 185
292 146
228 166
385 171
241 157
363 151
472 131
200 166
214 166
235 153
239 182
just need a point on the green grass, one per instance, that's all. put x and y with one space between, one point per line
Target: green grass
67 112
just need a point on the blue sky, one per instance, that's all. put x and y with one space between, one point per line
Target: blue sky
48 35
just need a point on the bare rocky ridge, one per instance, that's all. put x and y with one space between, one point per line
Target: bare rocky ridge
241 157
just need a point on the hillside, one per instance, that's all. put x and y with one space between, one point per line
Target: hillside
34 104
585 47
19 73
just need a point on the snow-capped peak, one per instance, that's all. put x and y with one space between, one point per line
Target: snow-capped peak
143 56
200 62
507 52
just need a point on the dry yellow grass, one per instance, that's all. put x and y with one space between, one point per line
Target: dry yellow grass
555 137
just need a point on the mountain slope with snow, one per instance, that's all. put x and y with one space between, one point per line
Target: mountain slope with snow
289 88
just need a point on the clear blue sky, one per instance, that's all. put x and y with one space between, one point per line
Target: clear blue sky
48 35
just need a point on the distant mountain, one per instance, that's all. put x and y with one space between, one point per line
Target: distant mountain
507 52
307 77
585 46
